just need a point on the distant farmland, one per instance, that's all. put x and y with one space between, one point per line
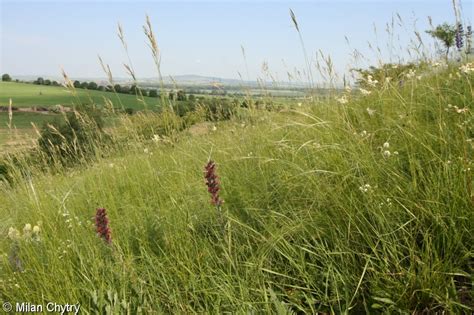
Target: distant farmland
26 96
30 95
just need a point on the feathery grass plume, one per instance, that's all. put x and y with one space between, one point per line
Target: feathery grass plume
212 183
102 225
129 67
457 11
110 79
155 51
308 65
248 94
242 48
10 114
68 84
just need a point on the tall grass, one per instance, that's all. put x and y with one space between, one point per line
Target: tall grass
361 206
320 219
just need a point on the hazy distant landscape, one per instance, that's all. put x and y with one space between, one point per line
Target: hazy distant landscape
237 157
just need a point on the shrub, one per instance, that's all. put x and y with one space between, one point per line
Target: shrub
129 111
6 77
66 141
5 174
180 96
92 86
153 93
219 109
125 89
182 108
77 84
147 125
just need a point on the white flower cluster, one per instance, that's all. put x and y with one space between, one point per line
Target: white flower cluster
364 91
371 82
467 68
456 109
342 100
411 74
438 64
365 188
386 152
29 232
364 134
371 112
71 220
388 203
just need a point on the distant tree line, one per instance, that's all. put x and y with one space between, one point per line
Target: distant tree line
133 89
41 81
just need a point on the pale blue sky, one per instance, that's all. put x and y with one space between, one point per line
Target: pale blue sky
204 38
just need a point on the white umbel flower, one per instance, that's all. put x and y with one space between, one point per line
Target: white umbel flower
13 234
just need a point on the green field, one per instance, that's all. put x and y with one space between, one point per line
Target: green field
23 120
29 95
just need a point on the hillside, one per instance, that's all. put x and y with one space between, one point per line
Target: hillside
361 206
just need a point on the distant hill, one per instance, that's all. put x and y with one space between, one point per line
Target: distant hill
184 80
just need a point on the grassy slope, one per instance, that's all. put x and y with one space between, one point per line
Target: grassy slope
301 233
28 95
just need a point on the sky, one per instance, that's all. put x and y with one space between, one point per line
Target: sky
207 37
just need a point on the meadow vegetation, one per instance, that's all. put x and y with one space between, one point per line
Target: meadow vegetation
361 202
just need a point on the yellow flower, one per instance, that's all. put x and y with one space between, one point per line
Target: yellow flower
36 229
